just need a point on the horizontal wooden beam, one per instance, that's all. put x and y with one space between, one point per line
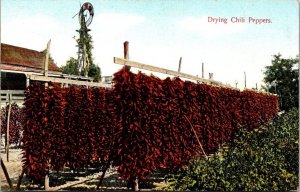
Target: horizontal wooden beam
14 92
68 81
164 71
12 98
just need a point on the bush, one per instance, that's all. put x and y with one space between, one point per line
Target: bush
265 159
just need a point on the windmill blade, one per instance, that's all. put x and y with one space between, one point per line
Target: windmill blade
78 11
89 21
75 15
88 17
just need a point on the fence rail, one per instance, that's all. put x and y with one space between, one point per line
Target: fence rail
69 81
16 96
138 65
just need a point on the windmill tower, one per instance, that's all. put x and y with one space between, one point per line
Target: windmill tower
85 15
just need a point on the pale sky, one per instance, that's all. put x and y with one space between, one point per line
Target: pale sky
161 31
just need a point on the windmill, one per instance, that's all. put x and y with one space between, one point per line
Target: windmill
85 15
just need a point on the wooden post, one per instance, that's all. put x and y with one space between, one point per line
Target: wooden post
133 184
211 75
47 61
236 83
102 175
20 179
27 80
101 179
85 61
202 70
136 184
256 86
126 56
47 183
126 52
7 98
6 174
0 113
179 66
7 127
245 80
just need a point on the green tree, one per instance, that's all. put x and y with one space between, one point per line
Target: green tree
282 78
71 66
95 72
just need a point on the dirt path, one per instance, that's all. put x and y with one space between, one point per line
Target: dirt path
14 166
66 180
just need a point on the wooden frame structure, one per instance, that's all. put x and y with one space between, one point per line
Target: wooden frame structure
128 63
16 96
143 66
45 78
65 80
68 81
147 67
121 61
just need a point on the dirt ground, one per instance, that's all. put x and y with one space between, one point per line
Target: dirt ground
14 166
66 180
14 169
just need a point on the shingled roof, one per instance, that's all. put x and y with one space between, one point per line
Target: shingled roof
23 59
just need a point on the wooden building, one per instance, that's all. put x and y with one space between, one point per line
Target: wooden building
18 62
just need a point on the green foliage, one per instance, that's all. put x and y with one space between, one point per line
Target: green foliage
95 71
87 40
266 159
282 78
70 67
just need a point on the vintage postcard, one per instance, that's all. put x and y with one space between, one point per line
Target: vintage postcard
149 95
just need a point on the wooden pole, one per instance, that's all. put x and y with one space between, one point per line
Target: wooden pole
101 179
84 60
47 183
126 56
179 66
0 106
6 174
102 176
203 70
245 80
47 61
7 127
85 63
126 52
20 178
27 80
136 184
